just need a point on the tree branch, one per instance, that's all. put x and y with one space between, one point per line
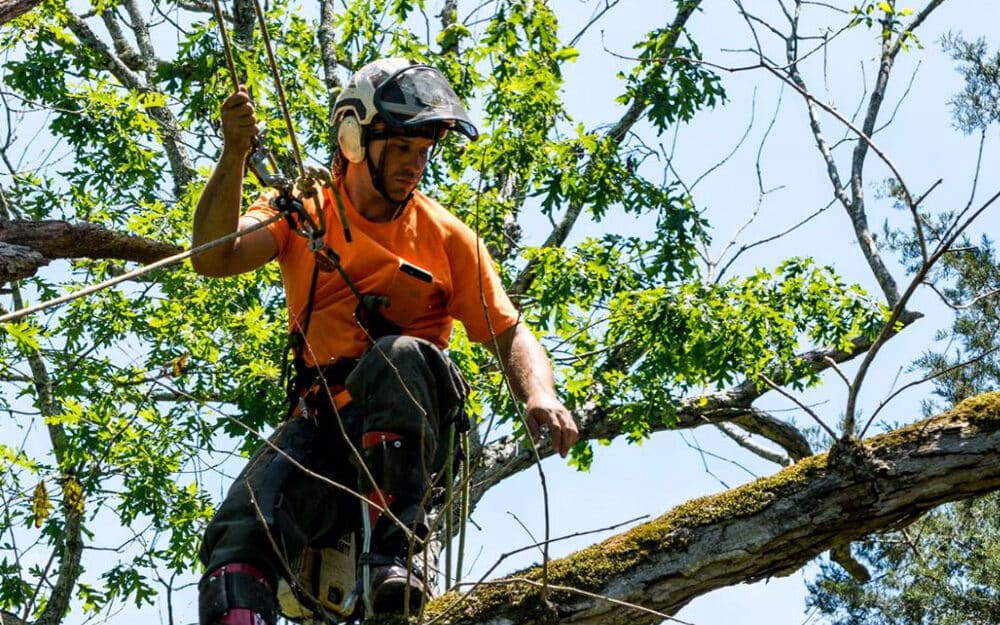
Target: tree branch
18 262
770 527
70 545
758 450
9 9
42 241
6 618
616 134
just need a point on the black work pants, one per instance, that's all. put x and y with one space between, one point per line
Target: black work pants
286 497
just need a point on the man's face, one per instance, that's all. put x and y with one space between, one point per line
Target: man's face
404 164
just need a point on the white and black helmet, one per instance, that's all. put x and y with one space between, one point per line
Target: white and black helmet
405 95
410 98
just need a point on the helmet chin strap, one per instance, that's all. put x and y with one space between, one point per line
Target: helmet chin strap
377 174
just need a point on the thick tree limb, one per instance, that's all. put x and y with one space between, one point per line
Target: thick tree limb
6 618
9 9
18 261
41 241
770 527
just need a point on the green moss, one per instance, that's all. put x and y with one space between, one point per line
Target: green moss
981 412
980 407
593 567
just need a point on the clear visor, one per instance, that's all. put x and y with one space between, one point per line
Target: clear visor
419 95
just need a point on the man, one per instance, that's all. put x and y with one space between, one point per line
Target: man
373 393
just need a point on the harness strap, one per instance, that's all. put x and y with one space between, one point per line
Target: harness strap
308 381
368 312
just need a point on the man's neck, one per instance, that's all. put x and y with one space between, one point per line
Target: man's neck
366 199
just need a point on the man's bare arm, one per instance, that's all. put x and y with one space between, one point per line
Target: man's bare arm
218 210
530 374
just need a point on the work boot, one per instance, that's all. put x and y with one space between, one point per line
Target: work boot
390 579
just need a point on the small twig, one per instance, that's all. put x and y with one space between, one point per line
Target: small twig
801 405
527 531
965 306
926 378
773 237
833 365
597 15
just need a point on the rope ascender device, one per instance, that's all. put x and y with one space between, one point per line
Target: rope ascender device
286 202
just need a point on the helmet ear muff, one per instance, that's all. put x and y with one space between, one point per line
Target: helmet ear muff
349 139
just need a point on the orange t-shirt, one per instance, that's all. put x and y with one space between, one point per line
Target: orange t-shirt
432 267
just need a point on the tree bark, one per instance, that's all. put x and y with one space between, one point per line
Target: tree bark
9 9
770 527
27 245
18 261
6 618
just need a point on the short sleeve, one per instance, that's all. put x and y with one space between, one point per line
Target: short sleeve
262 210
478 299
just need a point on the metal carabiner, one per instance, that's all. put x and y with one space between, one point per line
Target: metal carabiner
261 162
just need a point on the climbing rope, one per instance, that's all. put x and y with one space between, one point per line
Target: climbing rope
276 75
226 47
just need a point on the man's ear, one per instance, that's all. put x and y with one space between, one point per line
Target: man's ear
349 139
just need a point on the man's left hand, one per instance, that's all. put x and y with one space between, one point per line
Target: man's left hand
547 412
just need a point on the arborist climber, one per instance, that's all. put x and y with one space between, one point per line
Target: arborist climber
368 377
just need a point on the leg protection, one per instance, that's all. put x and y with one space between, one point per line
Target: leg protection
399 480
407 385
236 594
274 509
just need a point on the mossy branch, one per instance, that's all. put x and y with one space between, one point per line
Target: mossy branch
770 527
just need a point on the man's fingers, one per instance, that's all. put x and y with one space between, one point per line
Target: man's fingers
532 422
236 99
571 434
556 437
554 419
243 121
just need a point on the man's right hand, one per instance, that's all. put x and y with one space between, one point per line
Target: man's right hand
239 122
218 211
